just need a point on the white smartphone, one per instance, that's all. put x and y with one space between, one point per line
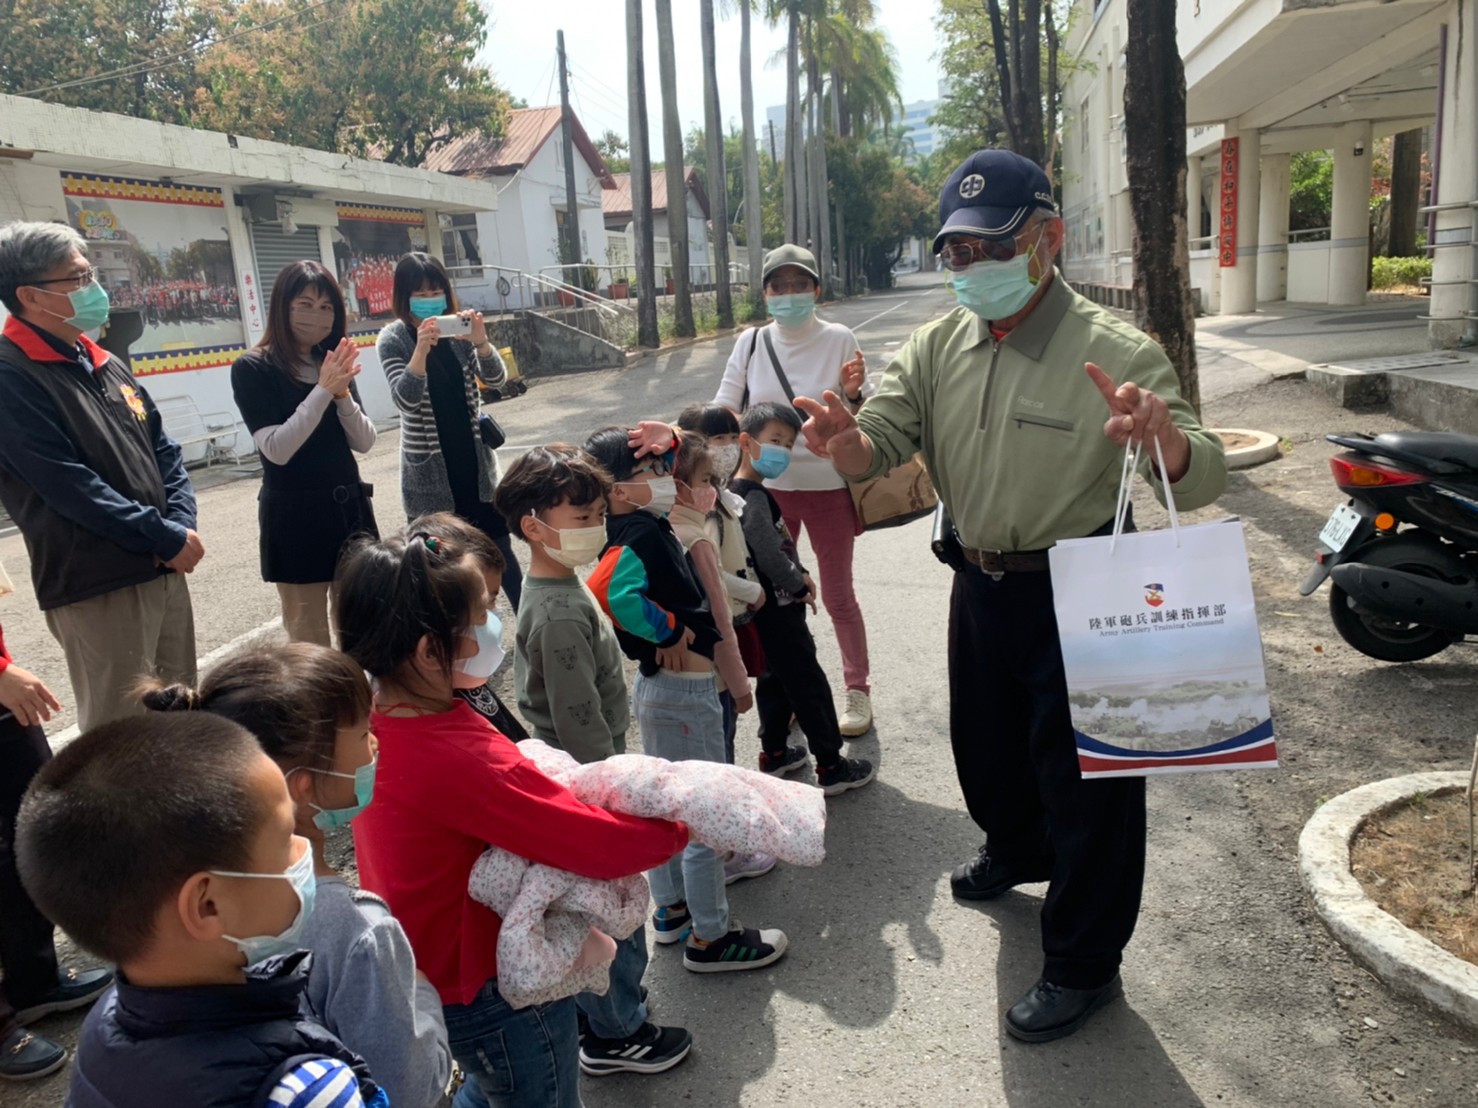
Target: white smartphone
453 326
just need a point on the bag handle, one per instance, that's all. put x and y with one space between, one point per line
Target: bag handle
754 340
1132 454
775 361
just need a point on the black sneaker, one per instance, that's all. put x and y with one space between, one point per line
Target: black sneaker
789 760
25 1055
743 948
74 989
671 922
848 773
651 1049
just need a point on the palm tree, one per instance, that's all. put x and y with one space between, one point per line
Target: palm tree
641 179
719 178
753 203
677 189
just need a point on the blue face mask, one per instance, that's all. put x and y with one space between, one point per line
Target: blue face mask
428 307
791 309
329 819
258 948
996 290
772 462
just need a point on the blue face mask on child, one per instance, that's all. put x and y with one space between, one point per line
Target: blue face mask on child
258 948
329 819
772 462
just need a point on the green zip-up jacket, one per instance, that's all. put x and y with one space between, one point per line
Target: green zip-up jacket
1012 431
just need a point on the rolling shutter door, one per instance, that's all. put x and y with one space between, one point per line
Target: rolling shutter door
273 250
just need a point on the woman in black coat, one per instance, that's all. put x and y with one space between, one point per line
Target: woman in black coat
296 393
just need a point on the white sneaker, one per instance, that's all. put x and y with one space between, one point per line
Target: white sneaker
857 717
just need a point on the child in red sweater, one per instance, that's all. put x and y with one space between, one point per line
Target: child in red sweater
412 610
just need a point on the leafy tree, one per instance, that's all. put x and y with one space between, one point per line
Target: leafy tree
612 147
883 204
1311 190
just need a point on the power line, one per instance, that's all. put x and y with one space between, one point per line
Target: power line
593 79
171 59
602 101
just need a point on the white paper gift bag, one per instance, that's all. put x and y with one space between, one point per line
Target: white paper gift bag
1162 651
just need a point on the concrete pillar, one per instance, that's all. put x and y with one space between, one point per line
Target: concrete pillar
1349 221
433 234
1457 183
1193 199
1272 228
1239 282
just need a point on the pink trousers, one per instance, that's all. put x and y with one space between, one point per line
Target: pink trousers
830 521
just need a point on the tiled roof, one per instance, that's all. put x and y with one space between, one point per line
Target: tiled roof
528 129
616 203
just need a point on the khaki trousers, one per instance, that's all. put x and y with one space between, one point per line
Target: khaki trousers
113 640
307 612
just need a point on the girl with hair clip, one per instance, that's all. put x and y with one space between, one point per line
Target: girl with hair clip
413 612
296 393
309 707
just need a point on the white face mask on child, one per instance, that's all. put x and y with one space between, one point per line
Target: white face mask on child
475 669
725 461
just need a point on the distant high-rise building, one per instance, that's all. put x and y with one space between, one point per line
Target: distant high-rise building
925 136
774 117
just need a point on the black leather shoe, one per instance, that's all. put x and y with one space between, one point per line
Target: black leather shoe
984 878
1051 1011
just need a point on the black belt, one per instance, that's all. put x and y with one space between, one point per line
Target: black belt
997 561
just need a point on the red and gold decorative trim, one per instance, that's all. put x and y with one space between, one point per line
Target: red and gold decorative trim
382 214
124 188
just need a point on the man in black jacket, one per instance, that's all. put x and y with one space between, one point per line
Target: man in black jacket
97 488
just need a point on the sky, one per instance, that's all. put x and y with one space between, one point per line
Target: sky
521 50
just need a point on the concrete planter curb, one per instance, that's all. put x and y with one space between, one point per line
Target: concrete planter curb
1265 449
1403 959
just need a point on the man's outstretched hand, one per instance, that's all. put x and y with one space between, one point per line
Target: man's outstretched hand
831 431
1138 415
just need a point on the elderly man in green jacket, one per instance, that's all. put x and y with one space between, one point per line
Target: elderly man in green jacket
1022 400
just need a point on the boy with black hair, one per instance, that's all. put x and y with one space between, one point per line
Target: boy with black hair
793 682
165 845
646 584
571 687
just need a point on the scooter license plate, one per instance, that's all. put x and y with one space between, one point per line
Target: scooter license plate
1340 527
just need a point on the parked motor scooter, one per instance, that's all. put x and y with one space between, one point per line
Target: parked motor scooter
1402 553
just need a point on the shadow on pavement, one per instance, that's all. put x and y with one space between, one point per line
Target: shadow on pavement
1115 1058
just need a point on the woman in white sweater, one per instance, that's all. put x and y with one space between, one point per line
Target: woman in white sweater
809 356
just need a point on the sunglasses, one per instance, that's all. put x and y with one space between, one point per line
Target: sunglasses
960 255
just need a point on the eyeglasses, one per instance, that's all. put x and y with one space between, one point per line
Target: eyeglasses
960 255
76 281
785 288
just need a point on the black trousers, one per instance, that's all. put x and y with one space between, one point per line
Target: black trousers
794 682
1018 766
27 951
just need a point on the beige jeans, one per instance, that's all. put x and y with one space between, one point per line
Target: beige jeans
307 612
113 640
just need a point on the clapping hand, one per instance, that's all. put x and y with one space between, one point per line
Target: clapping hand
340 366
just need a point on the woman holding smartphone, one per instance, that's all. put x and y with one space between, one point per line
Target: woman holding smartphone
296 394
444 464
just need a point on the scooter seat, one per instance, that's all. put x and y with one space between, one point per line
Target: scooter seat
1436 446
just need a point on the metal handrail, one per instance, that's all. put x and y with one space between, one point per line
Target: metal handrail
1293 236
738 272
527 281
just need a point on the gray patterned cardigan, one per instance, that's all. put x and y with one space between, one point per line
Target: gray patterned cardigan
423 480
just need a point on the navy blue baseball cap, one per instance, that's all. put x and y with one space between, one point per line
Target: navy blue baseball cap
992 194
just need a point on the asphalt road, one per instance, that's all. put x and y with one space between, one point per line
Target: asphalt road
891 992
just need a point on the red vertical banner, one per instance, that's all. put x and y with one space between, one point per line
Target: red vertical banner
1227 225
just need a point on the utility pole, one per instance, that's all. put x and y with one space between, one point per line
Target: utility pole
567 138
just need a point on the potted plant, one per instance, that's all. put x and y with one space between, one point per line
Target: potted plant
620 278
588 275
667 276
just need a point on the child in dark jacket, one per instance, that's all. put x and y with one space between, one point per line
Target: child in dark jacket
646 583
793 682
165 844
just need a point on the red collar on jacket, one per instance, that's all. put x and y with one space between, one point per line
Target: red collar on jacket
28 337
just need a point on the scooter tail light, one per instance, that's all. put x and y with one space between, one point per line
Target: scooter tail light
1352 470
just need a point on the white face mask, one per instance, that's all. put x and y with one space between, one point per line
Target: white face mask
475 669
578 546
725 461
663 492
258 948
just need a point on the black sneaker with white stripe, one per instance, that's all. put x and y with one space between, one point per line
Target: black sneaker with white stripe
743 948
651 1049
